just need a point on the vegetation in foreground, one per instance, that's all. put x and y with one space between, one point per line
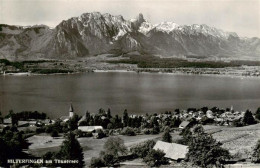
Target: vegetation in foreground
70 150
205 151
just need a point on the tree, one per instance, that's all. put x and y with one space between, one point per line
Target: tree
100 134
101 112
142 149
204 150
115 146
73 122
176 122
71 150
156 130
3 153
1 117
205 120
248 118
204 109
177 111
155 158
167 136
117 122
83 123
237 123
110 126
54 133
109 113
125 118
257 113
79 133
128 131
97 162
109 159
256 152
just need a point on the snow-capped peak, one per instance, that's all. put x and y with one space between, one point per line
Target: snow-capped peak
166 26
145 27
207 30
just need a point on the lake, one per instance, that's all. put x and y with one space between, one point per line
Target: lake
139 93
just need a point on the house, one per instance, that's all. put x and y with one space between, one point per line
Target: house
89 128
184 124
172 151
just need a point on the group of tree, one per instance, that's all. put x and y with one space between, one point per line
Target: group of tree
24 115
107 121
102 118
12 143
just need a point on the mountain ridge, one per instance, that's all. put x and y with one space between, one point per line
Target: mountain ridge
95 33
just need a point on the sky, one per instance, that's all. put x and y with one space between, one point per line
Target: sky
240 16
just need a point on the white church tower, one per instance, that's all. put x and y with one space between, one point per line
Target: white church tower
71 111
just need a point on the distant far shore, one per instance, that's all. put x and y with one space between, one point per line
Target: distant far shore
229 72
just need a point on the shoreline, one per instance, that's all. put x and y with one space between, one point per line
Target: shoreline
178 71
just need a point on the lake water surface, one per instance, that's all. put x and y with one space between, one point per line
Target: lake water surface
138 93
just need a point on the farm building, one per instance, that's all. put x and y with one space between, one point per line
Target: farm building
184 124
89 128
172 151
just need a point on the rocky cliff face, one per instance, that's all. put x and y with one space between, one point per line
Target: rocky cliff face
96 33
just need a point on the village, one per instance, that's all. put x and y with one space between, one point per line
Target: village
93 130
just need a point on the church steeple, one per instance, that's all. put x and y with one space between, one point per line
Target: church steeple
71 111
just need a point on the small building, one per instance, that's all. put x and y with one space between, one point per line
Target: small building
184 124
83 118
7 121
65 118
89 128
10 68
210 114
26 123
172 151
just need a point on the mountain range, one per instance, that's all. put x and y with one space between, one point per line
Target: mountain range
95 33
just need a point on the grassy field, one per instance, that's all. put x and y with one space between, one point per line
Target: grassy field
238 140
